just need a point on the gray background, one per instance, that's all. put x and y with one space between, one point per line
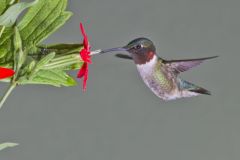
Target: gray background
118 118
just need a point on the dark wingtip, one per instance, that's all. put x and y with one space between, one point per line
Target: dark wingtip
207 58
201 91
212 57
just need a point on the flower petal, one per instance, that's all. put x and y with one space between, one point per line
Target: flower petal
85 78
5 72
85 55
82 71
85 38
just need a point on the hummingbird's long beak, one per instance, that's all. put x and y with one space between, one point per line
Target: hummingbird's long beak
113 50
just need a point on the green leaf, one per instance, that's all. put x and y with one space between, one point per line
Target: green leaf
40 21
3 5
7 145
9 17
6 43
54 77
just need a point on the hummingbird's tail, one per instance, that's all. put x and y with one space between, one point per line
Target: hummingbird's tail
190 89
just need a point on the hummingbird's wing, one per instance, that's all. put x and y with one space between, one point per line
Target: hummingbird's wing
183 65
124 56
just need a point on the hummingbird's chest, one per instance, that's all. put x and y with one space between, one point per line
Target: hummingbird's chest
156 78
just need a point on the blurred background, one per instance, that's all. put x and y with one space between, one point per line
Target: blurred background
119 118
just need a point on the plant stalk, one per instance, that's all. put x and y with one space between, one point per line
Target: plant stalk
67 60
7 93
72 56
59 65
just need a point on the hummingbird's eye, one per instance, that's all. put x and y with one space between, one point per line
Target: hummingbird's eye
139 46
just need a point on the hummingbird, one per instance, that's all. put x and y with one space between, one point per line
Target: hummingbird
160 75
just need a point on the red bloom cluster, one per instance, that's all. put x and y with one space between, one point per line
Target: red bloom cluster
5 73
85 55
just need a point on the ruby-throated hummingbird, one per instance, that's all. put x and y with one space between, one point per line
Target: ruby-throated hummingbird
161 75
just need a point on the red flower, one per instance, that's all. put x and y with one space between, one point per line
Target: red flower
85 55
5 72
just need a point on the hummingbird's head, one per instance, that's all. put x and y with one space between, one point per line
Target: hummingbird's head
142 50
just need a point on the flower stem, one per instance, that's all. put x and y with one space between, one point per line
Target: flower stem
60 64
7 93
61 61
71 56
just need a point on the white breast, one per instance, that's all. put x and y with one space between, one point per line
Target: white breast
146 72
147 68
